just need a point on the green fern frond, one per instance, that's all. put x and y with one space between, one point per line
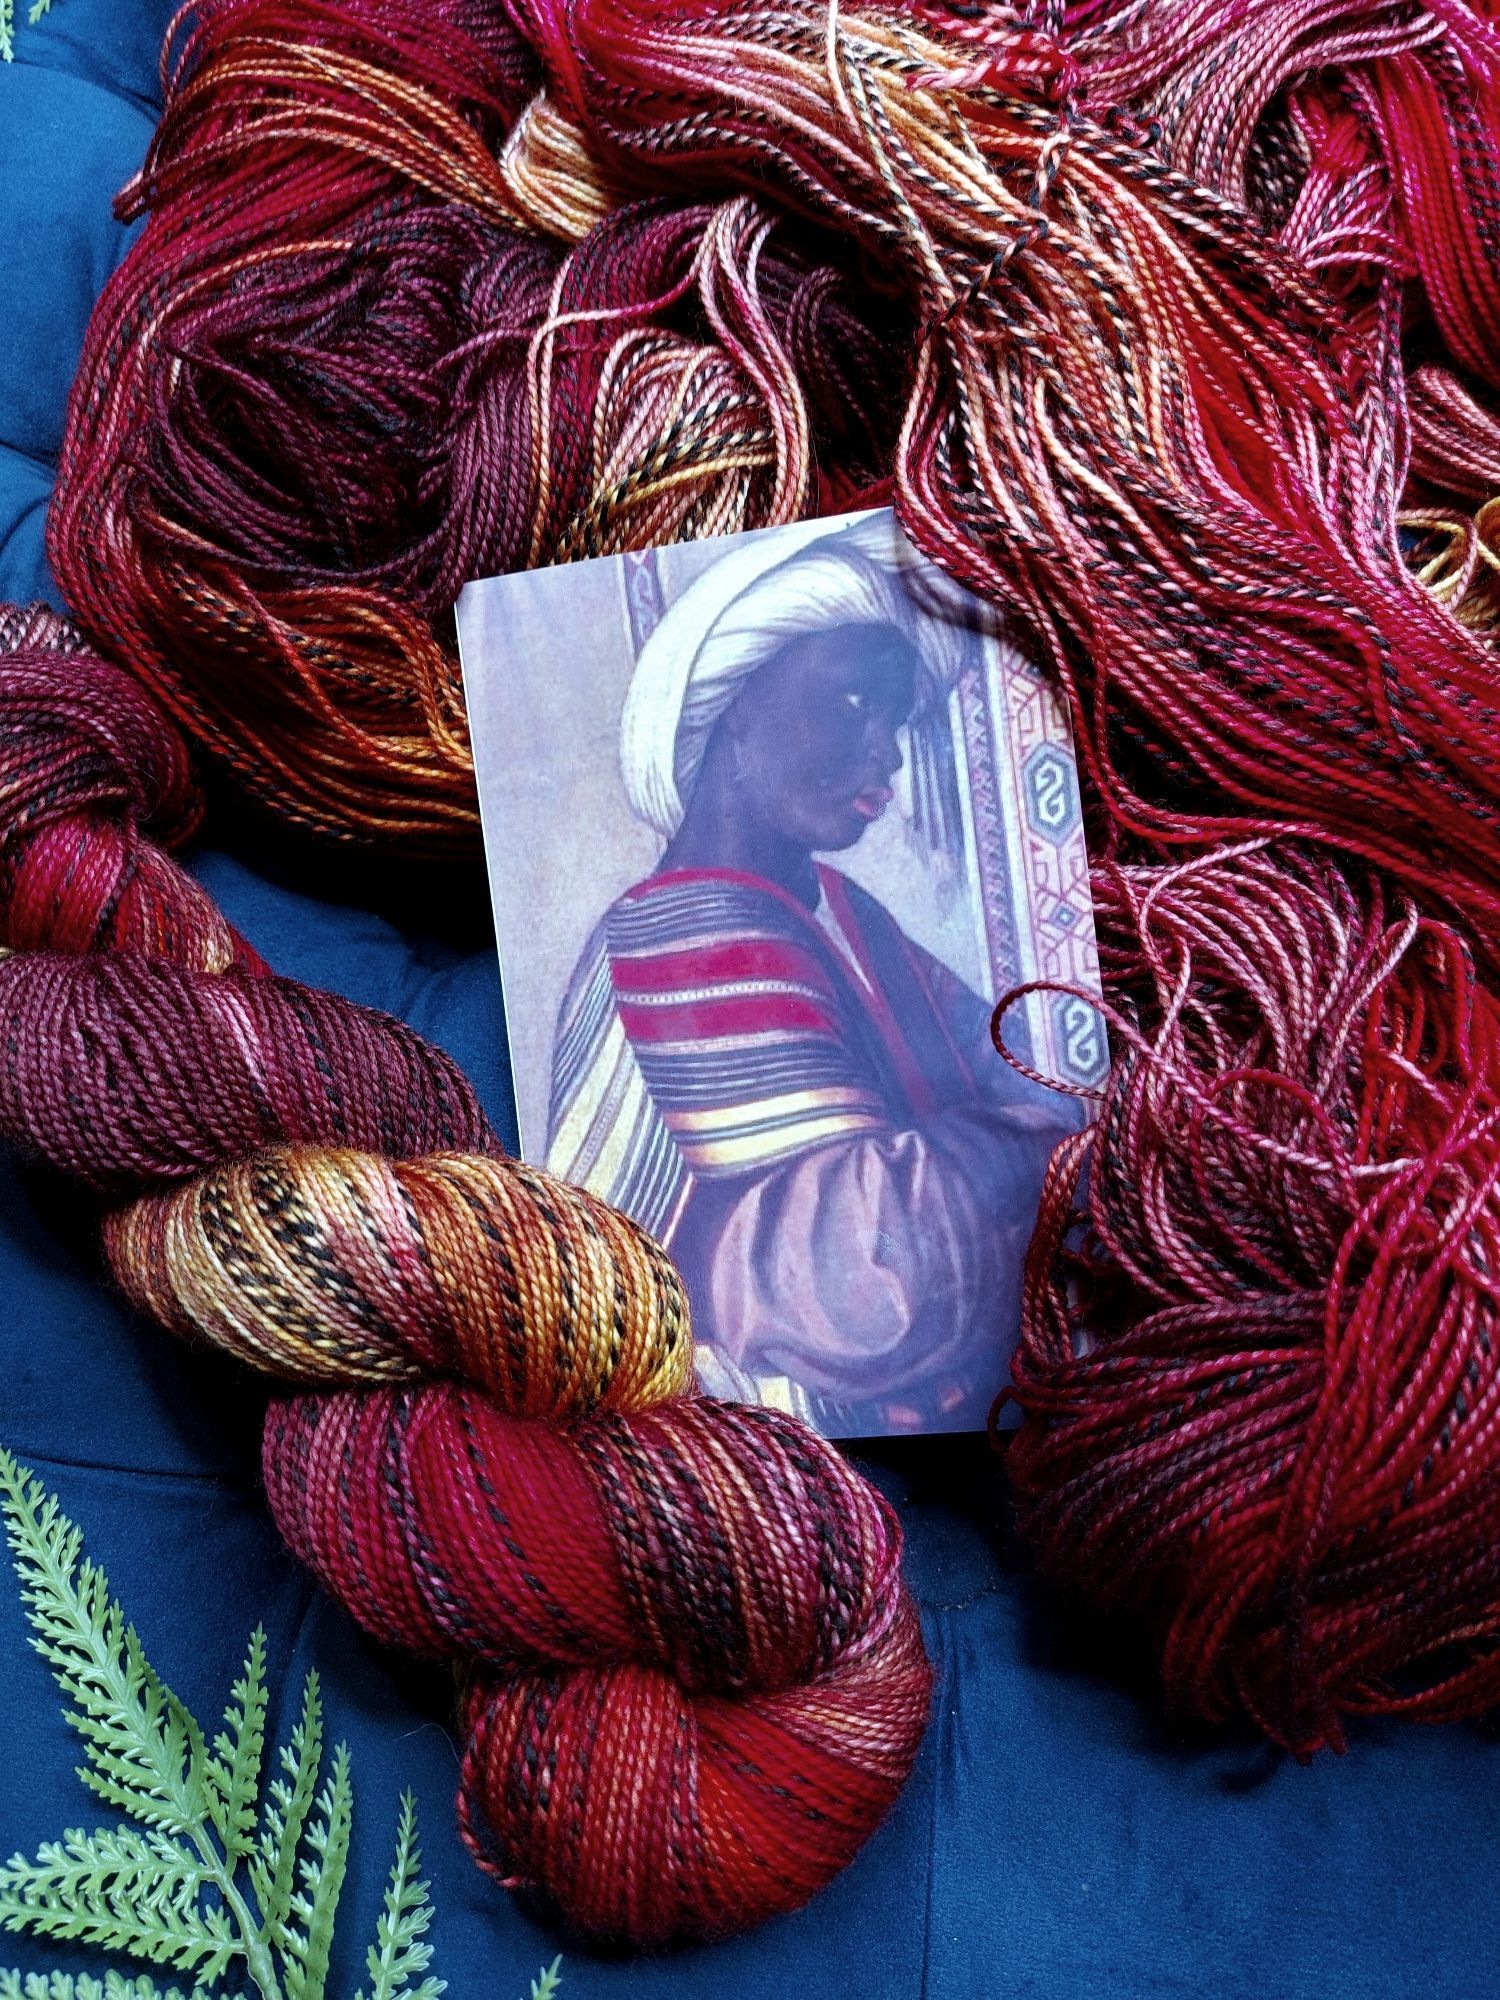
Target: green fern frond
309 1931
214 1876
63 1986
273 1865
233 1771
146 1753
138 1893
400 1953
8 48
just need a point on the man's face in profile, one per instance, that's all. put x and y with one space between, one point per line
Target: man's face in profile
814 734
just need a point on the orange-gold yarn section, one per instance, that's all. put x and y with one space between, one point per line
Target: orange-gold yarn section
330 1267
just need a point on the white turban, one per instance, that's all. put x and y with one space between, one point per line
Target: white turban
766 591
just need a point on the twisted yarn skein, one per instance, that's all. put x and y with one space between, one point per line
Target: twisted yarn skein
692 1680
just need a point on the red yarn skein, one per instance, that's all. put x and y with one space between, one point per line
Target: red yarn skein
334 378
693 1680
1363 137
1136 422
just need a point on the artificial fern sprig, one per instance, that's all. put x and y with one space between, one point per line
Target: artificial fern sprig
145 1753
63 1986
233 1771
272 1864
222 1876
401 1953
138 1893
7 54
146 1757
308 1934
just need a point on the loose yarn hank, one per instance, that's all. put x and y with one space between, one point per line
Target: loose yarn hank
335 377
1266 1426
692 1680
1362 137
1263 1392
1235 536
1135 421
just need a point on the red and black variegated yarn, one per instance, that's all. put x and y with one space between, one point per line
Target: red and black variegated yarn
692 1680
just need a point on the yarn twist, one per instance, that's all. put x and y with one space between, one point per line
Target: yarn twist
1263 1395
693 1682
1362 136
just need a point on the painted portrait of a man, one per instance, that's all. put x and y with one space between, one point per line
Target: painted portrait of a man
753 1056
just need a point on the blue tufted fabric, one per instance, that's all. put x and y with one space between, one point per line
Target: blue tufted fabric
1059 1841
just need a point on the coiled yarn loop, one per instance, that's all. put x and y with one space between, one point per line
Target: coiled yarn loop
339 373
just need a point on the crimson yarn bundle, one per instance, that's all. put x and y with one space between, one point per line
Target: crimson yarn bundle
1181 486
1362 136
1281 1450
1184 302
1135 420
693 1681
337 375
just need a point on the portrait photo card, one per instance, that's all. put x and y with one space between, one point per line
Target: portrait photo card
772 821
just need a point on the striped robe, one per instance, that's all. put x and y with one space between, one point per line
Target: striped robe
805 1109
